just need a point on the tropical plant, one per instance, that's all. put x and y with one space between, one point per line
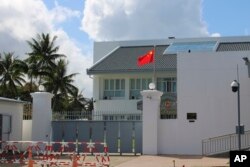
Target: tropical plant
42 66
12 73
77 102
59 83
89 105
42 58
24 92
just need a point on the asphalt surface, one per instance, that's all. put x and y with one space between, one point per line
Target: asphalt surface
174 161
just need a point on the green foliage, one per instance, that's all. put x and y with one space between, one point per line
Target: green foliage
12 72
44 66
77 102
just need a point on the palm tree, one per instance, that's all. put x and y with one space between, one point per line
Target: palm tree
77 102
89 107
43 56
59 83
12 73
25 91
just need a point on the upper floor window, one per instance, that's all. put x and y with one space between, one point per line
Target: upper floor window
137 85
114 88
166 85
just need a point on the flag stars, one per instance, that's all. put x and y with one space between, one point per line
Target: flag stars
146 59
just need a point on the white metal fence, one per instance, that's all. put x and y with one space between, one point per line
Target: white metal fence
94 115
98 115
226 143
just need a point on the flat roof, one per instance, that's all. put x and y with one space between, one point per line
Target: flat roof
12 100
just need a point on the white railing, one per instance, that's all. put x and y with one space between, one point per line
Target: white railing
98 115
226 143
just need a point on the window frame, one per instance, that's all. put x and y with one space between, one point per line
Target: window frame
136 85
114 88
167 84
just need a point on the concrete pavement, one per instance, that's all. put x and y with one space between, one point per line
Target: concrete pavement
174 161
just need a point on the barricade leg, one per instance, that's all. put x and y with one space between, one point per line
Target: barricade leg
74 162
30 163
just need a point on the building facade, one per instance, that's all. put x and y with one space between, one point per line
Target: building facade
118 80
194 75
11 119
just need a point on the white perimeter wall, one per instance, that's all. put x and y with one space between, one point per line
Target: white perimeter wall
27 130
16 111
203 87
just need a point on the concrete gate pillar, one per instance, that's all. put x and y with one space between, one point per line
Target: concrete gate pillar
41 116
150 118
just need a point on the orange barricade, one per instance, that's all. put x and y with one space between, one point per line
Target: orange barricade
71 154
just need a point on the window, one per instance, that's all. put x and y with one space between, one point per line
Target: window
114 88
190 47
137 85
167 85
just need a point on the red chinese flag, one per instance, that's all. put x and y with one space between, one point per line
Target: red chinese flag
146 59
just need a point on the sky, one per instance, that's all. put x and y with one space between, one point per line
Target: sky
78 23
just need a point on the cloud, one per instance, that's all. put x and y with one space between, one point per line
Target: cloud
61 13
149 19
215 35
78 63
21 21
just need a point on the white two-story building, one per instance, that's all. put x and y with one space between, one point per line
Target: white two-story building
195 76
118 80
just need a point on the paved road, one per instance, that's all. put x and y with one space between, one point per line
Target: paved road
156 161
177 161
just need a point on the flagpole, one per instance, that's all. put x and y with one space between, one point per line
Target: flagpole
154 77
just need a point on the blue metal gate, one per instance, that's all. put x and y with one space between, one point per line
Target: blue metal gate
120 136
